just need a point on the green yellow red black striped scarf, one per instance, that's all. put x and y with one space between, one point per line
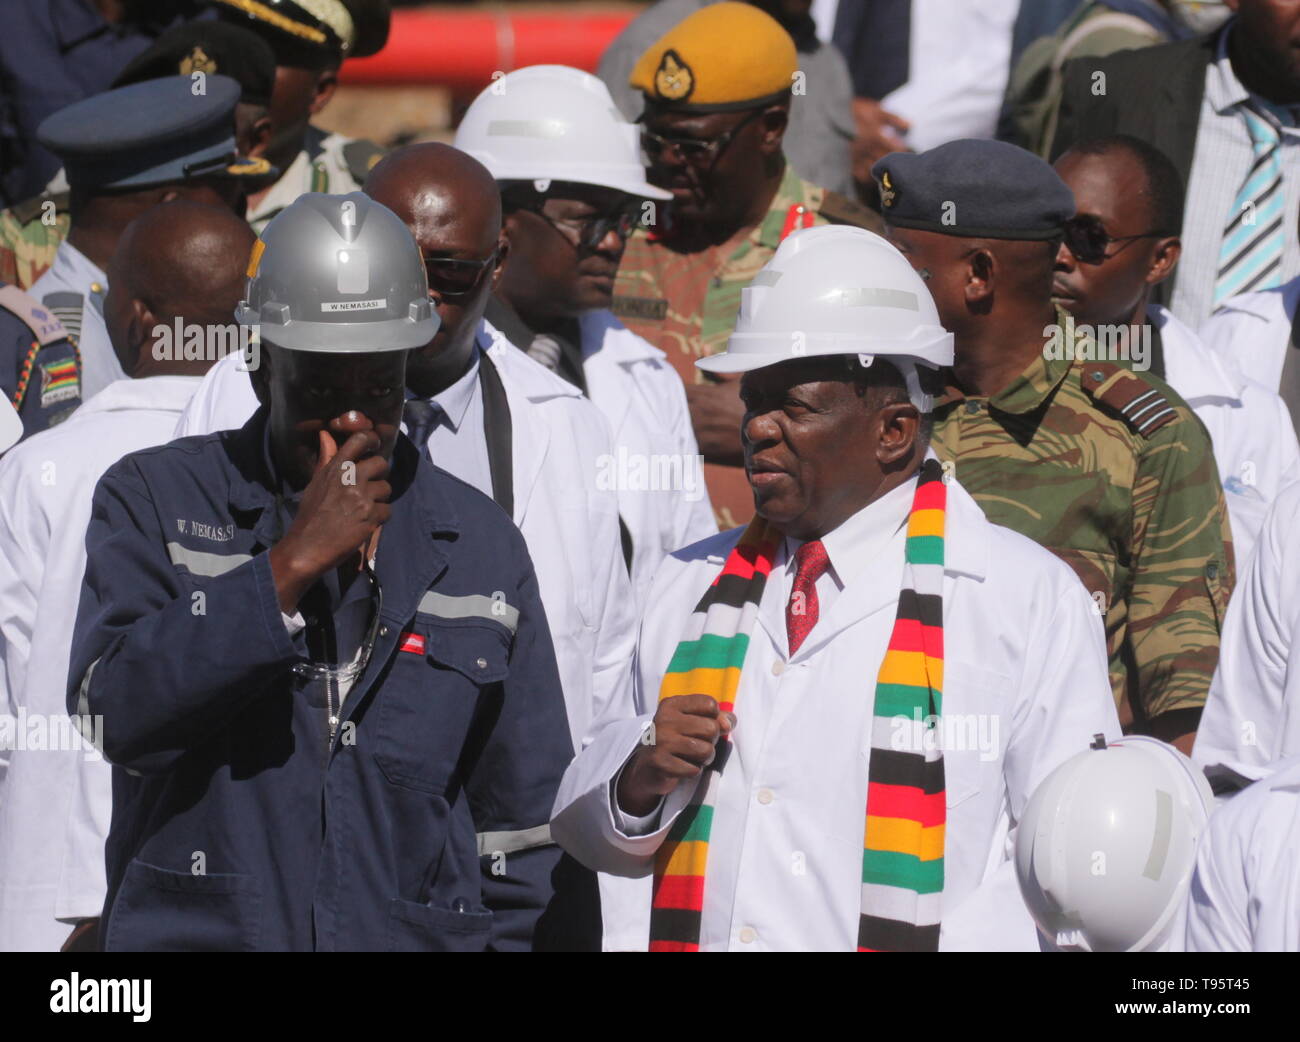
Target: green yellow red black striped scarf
902 856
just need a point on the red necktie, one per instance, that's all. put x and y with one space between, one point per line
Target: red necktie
811 563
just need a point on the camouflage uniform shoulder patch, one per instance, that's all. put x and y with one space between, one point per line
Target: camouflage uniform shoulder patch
840 209
1140 401
360 157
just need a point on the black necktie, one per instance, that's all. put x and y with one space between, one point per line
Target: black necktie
421 417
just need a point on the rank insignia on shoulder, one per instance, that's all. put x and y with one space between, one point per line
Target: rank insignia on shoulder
1143 406
645 308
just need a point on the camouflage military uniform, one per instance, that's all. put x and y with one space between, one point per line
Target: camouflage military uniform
30 234
1111 471
686 303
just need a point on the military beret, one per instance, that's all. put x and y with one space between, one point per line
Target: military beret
977 189
208 47
152 133
342 28
724 57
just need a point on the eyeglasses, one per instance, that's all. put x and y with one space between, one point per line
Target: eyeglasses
1088 241
454 280
693 150
589 231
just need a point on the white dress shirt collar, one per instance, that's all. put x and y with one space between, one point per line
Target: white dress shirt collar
455 400
858 540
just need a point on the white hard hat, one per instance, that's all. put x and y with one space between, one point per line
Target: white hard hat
1106 846
836 290
553 123
11 425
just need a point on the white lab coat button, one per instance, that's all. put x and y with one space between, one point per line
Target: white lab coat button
778 667
765 796
748 935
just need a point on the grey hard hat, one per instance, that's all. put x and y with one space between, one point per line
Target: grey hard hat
338 273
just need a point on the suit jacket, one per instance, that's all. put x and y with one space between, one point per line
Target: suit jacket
1171 79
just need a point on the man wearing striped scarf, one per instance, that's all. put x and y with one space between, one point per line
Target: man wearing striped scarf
857 693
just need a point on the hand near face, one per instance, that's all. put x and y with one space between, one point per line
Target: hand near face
342 506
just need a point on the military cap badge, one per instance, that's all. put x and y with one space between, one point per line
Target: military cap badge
887 192
674 80
196 61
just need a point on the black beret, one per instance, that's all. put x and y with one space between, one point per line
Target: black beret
976 189
208 46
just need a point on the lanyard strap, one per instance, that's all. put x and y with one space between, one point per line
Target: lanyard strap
497 431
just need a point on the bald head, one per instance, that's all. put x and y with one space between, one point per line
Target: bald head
452 206
433 186
180 260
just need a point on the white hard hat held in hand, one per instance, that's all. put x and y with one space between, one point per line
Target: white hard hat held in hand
1107 844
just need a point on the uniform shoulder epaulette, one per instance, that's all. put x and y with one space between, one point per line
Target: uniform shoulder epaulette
360 157
840 209
1142 404
45 326
30 209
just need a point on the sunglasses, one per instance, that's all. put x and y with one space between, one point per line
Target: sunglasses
590 232
454 280
1088 240
693 150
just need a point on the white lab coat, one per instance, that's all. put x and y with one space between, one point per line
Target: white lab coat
1252 330
55 806
1252 714
655 465
73 272
1245 892
1250 428
1025 668
569 524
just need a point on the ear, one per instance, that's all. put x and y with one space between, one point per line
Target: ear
900 423
139 332
981 268
326 84
772 126
503 247
1164 257
259 136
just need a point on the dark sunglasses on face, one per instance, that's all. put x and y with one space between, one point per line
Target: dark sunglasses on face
1088 240
590 231
692 150
454 279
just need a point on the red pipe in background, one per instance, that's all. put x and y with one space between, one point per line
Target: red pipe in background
462 49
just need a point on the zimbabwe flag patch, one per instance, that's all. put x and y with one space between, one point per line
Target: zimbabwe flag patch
59 381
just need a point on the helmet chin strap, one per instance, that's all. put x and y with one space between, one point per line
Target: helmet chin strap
907 369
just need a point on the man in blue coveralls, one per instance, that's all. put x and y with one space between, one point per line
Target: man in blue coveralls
319 663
